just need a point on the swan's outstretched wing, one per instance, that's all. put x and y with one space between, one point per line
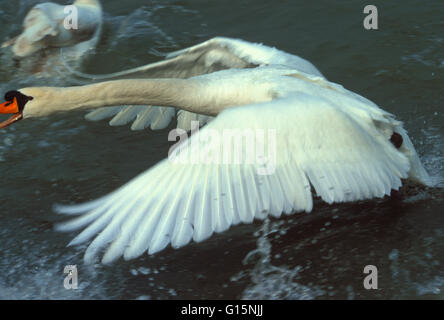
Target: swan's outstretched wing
286 147
210 56
232 52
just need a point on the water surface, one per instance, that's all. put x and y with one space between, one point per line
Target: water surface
64 159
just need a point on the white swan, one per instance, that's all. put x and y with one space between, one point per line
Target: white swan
44 30
328 138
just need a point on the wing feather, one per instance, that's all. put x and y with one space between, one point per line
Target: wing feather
143 116
202 218
126 115
342 153
103 113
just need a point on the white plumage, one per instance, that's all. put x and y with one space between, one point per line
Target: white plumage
327 138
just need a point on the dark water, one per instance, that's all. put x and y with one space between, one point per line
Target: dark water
321 255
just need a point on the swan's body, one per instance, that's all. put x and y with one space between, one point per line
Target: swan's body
326 137
44 33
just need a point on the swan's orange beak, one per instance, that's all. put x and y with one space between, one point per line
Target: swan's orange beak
10 107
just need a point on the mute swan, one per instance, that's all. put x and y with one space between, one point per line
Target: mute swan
44 32
327 137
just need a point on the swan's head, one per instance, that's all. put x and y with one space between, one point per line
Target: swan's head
15 104
33 102
38 29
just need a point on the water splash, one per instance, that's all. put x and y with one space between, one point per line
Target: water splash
272 282
433 159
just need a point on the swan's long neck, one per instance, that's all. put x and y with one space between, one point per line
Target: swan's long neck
123 92
192 95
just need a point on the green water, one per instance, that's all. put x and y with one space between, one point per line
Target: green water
65 159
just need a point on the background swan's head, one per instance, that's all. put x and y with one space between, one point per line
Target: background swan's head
38 29
44 27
